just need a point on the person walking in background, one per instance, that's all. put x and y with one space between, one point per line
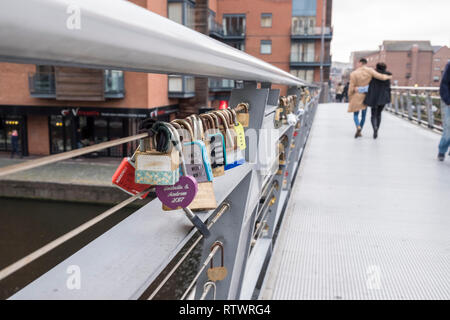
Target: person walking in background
339 92
445 107
15 143
378 96
345 93
359 86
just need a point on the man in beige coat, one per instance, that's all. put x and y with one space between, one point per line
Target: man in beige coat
359 85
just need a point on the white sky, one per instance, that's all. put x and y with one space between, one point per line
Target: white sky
364 24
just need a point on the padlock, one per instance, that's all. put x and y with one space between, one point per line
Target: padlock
278 118
157 162
182 193
198 165
234 155
124 178
217 273
195 152
243 115
216 142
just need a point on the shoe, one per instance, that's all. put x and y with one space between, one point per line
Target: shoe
375 134
358 132
441 156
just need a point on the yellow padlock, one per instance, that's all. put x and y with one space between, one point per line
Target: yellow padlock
217 273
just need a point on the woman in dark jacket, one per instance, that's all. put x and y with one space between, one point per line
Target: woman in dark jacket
378 96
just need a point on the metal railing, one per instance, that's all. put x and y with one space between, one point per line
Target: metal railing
310 31
421 105
150 239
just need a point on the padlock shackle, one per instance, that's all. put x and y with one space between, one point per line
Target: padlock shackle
227 130
220 245
216 120
242 105
186 126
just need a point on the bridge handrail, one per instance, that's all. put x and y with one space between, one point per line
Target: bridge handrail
421 105
42 40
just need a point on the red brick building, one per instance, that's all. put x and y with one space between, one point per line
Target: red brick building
440 59
57 109
411 62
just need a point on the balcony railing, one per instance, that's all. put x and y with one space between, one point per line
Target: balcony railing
309 62
181 86
311 33
43 84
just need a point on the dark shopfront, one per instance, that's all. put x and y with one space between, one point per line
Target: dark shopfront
73 128
8 123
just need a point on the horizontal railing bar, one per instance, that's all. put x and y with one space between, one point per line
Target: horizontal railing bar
57 242
67 155
219 214
415 88
205 263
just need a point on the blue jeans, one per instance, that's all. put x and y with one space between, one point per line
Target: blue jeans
445 140
363 118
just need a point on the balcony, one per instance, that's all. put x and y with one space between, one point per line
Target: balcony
302 33
220 85
181 87
43 85
215 29
310 63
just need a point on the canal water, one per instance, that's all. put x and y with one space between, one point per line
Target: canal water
27 225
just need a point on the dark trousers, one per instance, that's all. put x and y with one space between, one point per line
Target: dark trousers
376 117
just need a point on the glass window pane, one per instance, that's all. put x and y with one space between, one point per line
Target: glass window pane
266 47
266 20
175 12
175 84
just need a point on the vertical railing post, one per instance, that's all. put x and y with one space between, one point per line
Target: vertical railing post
429 104
396 97
419 108
409 105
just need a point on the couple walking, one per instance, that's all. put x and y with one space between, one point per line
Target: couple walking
369 88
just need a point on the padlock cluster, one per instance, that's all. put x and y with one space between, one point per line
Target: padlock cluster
181 158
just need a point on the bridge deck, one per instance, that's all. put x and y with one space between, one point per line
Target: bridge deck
367 219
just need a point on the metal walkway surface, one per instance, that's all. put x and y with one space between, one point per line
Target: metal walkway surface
367 219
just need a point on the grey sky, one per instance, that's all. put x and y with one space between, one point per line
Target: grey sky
364 24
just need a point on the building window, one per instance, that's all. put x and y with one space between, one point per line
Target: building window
266 47
175 11
266 20
182 12
304 26
234 25
437 60
436 79
437 68
302 52
304 74
60 134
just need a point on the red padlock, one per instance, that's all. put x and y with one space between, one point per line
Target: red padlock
123 179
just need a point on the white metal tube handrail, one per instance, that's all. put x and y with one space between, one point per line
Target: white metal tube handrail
415 88
121 35
66 155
